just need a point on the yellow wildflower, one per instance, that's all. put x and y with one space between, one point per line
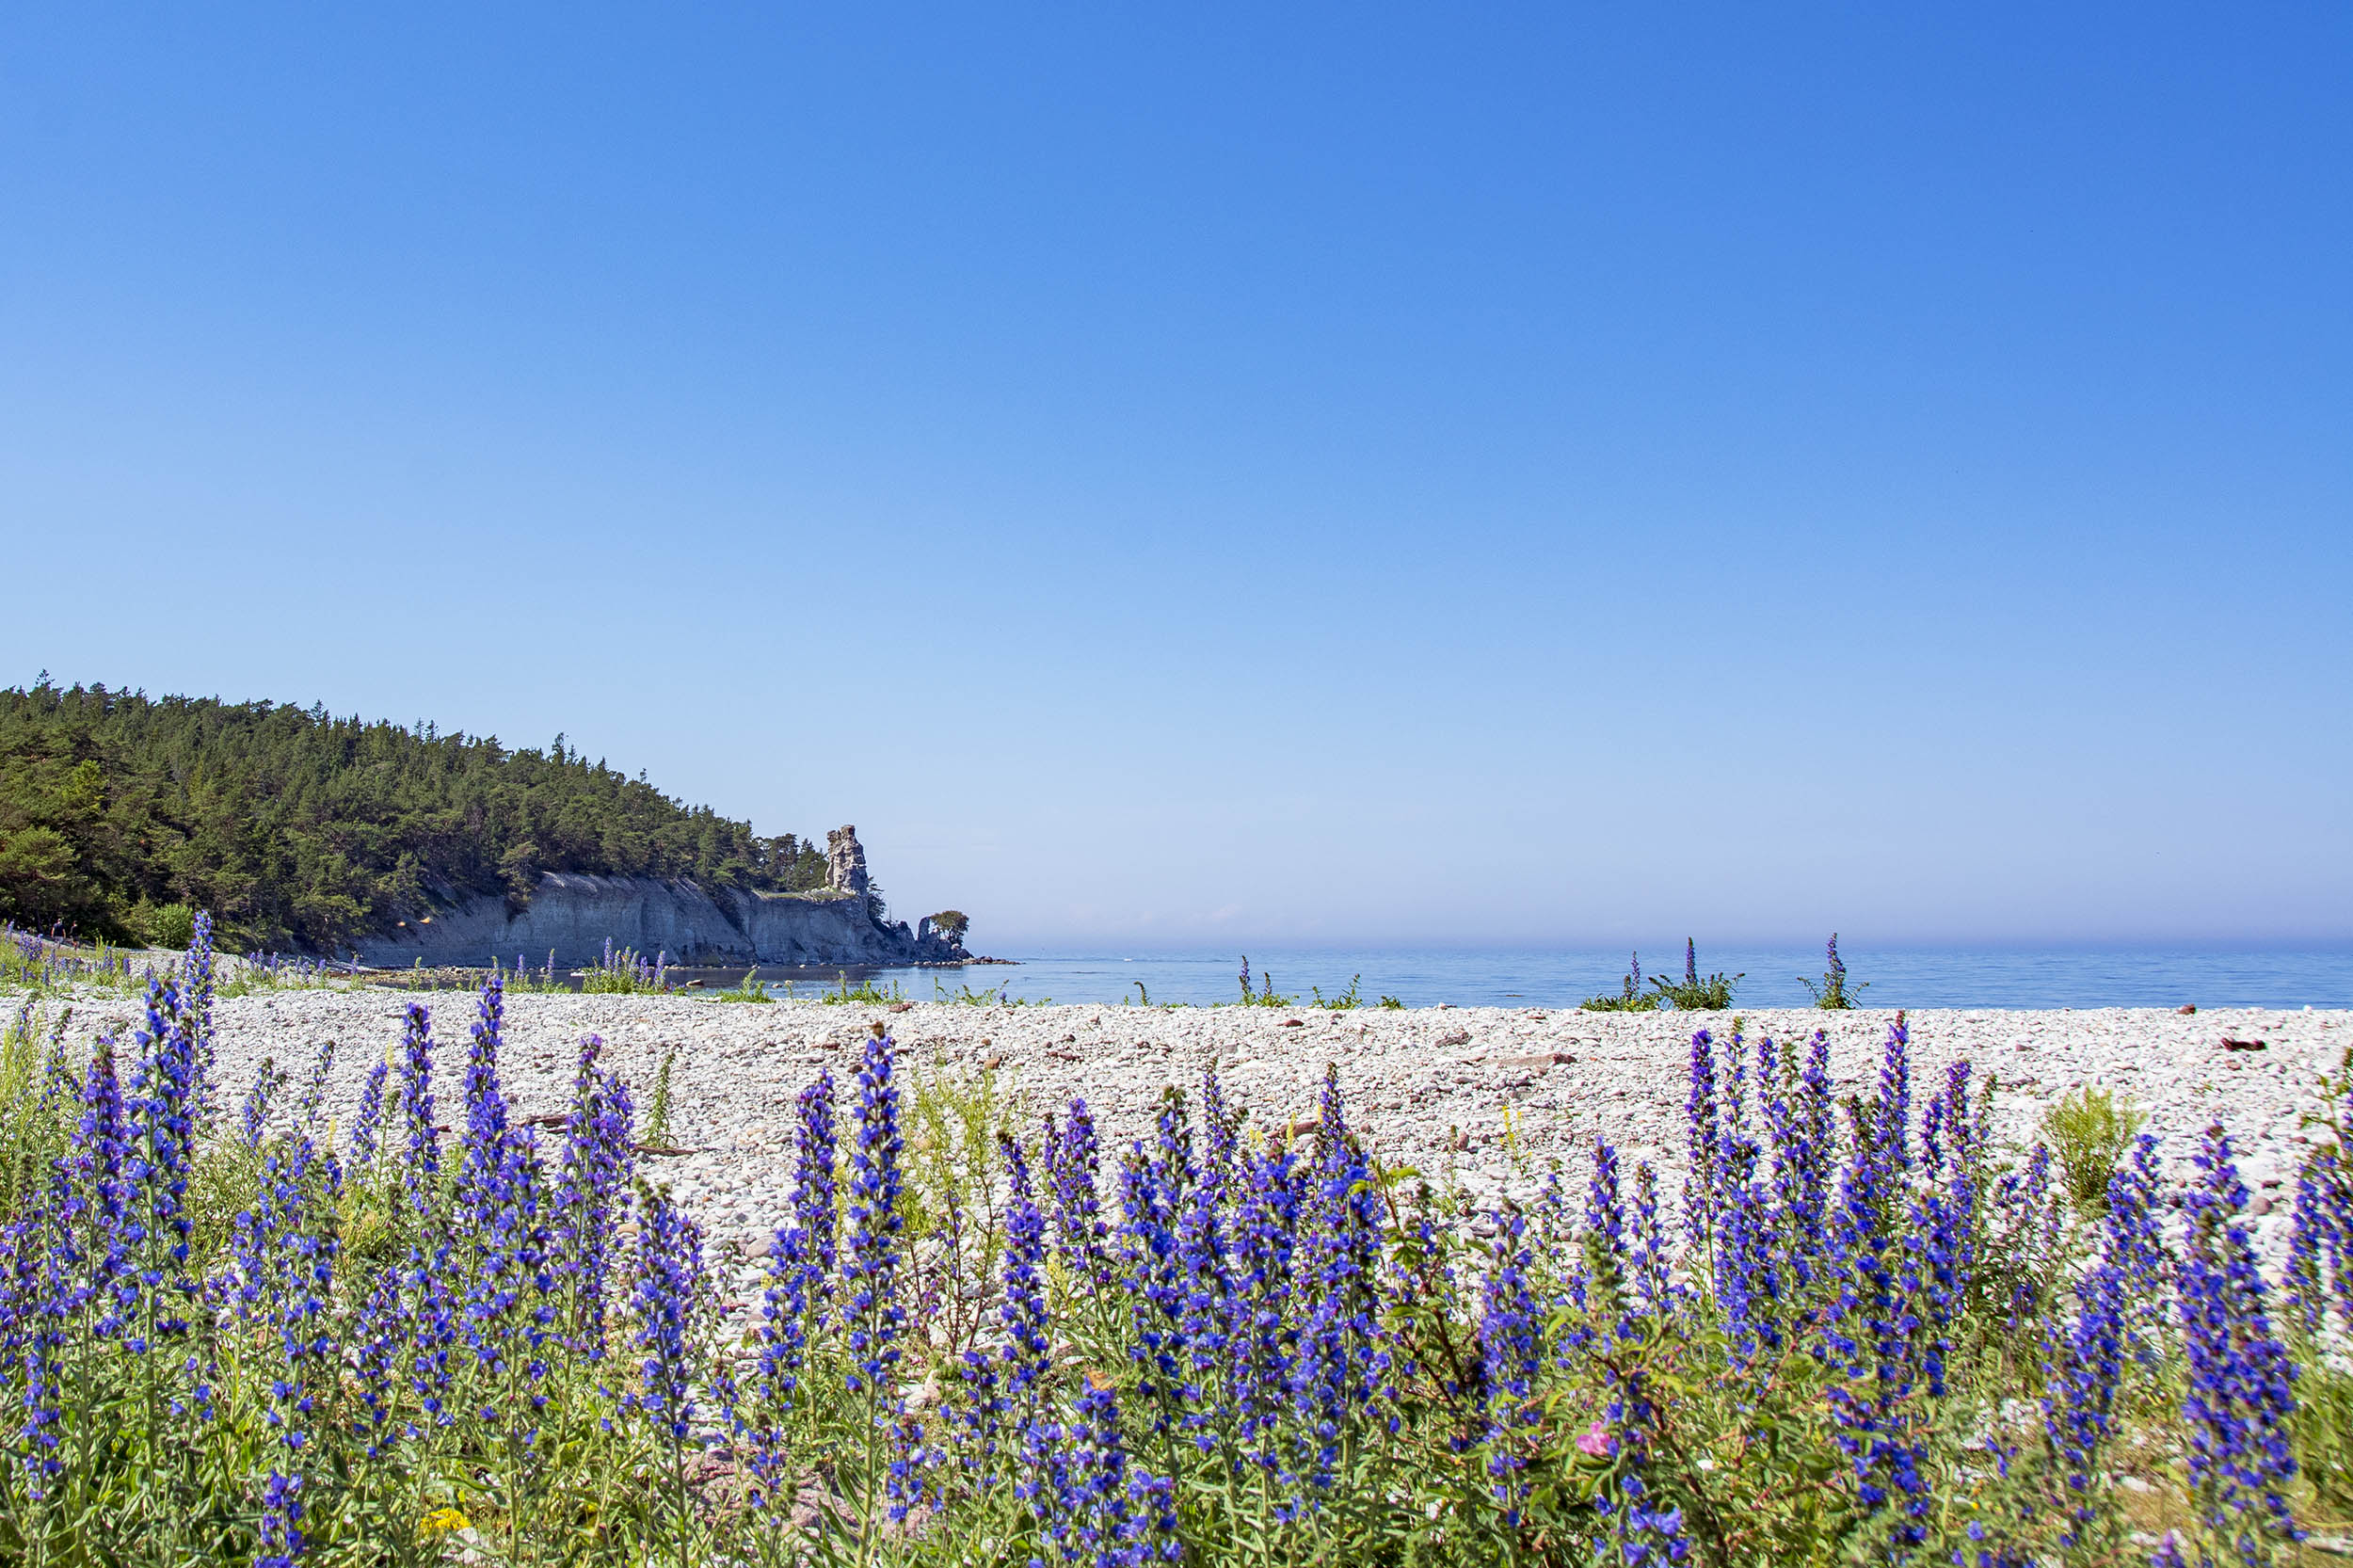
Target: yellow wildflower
440 1522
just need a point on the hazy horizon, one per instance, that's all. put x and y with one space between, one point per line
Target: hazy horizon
1325 478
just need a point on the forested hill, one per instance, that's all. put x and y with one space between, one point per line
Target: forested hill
119 813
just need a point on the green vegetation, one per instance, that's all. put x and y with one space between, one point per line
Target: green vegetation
1630 998
1696 993
1266 995
625 971
750 988
41 965
545 979
2090 1130
658 1110
865 993
121 814
37 964
1831 992
1345 1001
241 977
33 1070
1857 1334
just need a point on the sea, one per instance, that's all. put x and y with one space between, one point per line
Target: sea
1917 977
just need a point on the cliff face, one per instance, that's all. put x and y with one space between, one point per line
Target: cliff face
574 915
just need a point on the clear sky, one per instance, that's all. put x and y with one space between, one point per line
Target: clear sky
1183 475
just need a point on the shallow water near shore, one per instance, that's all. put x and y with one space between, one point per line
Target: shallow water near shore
1894 977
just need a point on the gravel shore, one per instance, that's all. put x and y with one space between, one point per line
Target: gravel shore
1488 1094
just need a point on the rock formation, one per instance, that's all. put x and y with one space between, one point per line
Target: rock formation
574 915
846 861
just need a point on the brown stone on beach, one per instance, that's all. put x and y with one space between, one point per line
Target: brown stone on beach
2186 1008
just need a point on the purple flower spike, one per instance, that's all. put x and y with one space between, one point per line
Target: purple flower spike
1072 1164
871 1318
793 1307
669 1281
2241 1398
423 1170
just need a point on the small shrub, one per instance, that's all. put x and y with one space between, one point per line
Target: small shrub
271 971
1392 1004
2324 1429
1697 994
46 964
33 1124
1631 998
749 989
522 977
1832 993
865 993
1345 1001
658 1112
1266 996
2089 1131
626 972
956 1121
168 925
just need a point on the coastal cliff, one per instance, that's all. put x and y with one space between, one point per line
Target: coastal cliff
575 915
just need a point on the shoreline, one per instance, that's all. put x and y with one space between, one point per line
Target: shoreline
1487 1095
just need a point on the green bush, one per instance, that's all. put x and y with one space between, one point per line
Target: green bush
1266 995
625 971
864 994
2090 1130
750 988
1833 992
1631 998
168 925
1346 1001
976 1342
1697 992
658 1110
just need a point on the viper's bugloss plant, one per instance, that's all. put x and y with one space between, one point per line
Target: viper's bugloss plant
1879 1335
1629 998
1832 992
1696 992
2241 1397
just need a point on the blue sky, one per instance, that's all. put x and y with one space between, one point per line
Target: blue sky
1356 475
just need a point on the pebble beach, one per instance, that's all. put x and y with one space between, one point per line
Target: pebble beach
1488 1095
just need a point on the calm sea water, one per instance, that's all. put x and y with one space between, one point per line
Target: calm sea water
1896 977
